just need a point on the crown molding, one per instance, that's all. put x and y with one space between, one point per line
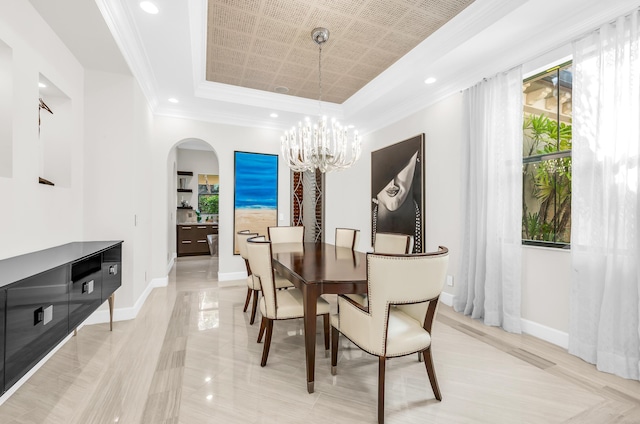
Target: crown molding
198 33
126 36
415 65
219 117
488 37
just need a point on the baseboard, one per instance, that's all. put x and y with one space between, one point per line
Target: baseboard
531 328
446 298
124 314
228 276
233 283
171 263
551 335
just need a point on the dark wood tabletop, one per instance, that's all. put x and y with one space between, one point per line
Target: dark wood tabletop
315 269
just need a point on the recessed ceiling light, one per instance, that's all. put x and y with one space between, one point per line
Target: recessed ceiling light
173 100
430 80
281 89
149 7
274 115
42 85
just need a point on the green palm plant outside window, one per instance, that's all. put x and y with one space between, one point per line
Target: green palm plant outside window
546 200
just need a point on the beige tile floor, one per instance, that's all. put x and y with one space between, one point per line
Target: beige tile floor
191 357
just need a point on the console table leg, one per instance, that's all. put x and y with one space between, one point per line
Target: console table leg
111 300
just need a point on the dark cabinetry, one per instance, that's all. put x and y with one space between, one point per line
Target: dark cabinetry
3 300
192 239
37 318
45 295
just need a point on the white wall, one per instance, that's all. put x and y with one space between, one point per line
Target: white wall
36 216
351 189
224 140
545 289
118 179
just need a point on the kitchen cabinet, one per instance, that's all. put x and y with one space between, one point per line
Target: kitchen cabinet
191 239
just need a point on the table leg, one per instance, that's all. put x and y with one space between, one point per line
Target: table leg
310 296
111 301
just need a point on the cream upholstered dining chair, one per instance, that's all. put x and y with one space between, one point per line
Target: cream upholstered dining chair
347 237
253 286
392 243
387 243
286 234
392 325
277 304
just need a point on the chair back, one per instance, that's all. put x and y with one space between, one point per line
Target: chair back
259 251
347 237
403 280
286 234
392 243
241 242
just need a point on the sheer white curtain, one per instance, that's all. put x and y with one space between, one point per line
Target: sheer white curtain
490 274
605 232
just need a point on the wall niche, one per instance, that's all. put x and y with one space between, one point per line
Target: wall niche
6 110
54 135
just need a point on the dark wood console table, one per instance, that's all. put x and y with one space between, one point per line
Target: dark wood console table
45 295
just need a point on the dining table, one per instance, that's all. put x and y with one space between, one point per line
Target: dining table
317 269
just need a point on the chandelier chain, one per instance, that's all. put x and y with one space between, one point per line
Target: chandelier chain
320 77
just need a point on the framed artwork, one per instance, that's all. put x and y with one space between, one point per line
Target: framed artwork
255 193
397 190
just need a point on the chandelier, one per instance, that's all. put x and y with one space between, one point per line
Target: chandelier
324 145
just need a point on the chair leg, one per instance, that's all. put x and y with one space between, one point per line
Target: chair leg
263 325
255 307
267 343
246 302
326 331
334 350
381 367
431 371
420 358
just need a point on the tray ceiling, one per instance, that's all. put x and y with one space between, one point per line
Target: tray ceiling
267 45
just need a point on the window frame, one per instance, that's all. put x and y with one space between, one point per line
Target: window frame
540 158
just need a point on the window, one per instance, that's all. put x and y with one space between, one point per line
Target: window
208 188
546 165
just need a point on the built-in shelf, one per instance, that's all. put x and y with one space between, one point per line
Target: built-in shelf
55 136
185 190
185 207
187 173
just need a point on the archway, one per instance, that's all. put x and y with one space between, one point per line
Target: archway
192 181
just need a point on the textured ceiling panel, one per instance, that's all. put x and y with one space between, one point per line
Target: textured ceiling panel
264 44
385 14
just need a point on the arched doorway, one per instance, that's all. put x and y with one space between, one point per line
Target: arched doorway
194 191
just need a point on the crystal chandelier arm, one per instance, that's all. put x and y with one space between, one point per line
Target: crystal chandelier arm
324 146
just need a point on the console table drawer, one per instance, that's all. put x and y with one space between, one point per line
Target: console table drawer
111 271
37 319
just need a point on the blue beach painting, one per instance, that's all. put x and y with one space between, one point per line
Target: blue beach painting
255 193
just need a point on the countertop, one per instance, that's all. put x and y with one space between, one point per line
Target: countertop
20 267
